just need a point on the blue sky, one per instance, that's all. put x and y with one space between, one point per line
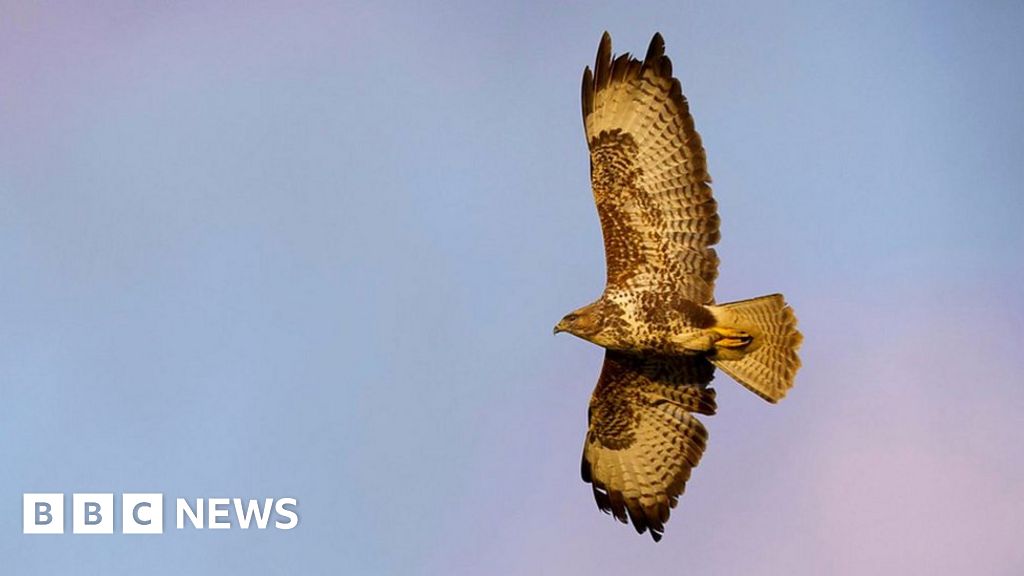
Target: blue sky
316 250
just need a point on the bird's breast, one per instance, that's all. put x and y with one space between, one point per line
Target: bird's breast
646 321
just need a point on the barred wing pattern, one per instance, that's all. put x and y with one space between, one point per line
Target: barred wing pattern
649 176
643 440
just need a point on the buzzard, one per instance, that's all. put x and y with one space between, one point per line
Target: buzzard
663 333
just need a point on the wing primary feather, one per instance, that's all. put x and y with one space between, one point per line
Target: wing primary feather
603 63
601 497
637 516
676 93
618 505
665 66
656 49
588 94
619 68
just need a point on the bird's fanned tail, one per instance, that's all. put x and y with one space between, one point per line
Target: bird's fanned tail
768 363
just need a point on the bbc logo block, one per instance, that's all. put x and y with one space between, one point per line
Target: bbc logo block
93 513
143 513
43 513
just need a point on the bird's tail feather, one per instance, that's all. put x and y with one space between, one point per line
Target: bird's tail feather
759 344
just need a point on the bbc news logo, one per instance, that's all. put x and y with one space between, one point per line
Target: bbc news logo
93 513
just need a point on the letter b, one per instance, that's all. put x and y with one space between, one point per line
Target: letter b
43 513
93 513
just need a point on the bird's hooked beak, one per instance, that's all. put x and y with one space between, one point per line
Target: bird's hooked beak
560 327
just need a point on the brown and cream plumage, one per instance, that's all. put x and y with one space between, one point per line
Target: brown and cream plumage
657 317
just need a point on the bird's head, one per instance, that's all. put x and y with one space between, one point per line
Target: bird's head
587 322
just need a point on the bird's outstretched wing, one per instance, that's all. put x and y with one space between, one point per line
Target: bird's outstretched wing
649 176
643 439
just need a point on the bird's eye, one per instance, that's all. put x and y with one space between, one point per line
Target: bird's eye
572 317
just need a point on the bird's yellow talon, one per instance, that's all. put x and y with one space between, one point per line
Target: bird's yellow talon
731 337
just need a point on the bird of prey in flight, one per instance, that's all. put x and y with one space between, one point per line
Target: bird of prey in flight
663 333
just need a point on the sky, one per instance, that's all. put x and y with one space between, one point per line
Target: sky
316 250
